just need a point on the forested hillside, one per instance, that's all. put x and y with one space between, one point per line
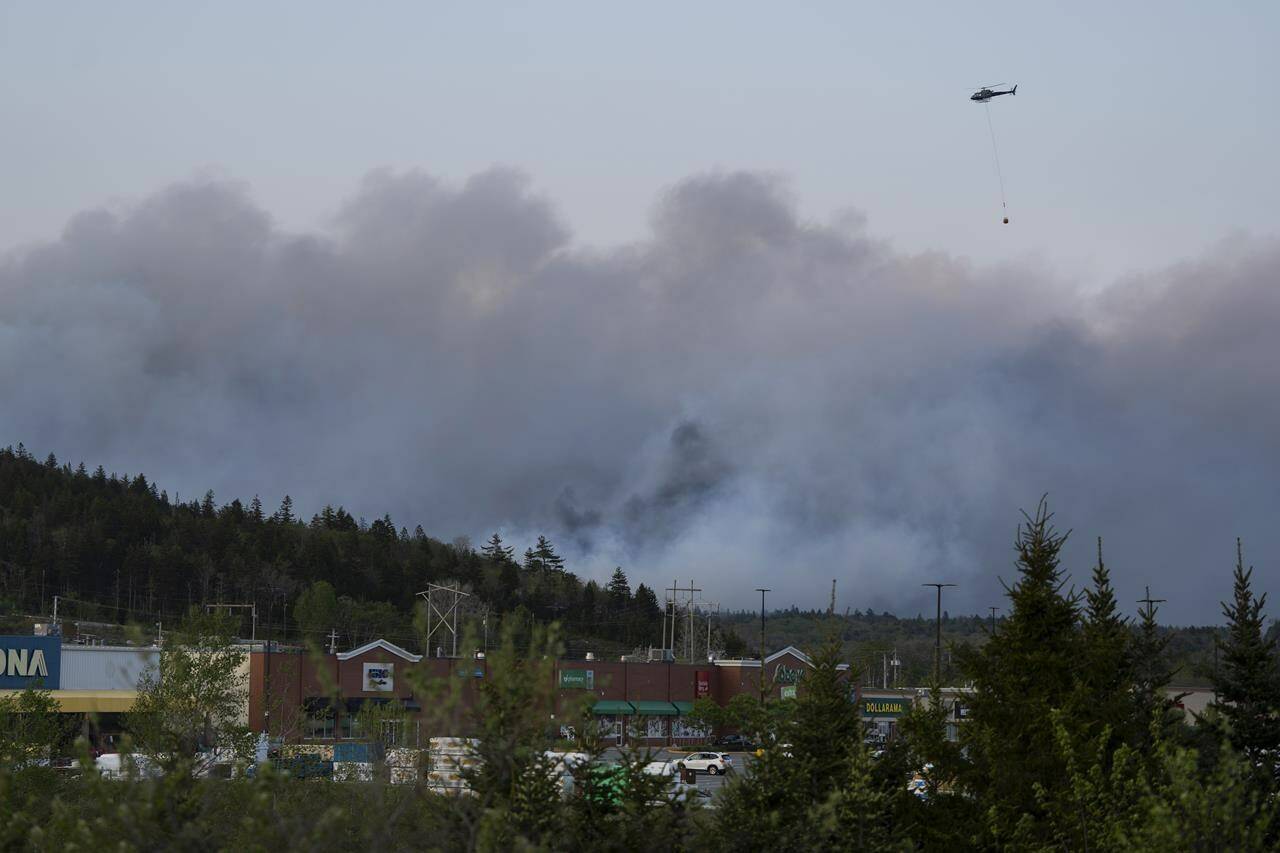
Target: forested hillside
117 549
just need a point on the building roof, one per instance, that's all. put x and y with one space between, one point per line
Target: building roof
791 650
380 644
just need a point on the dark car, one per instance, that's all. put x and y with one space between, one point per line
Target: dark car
738 742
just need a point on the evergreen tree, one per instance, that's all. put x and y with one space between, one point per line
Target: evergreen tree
1106 662
1247 684
255 509
1020 676
1152 674
497 552
545 557
619 590
284 515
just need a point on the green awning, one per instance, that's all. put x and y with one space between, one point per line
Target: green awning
655 709
613 706
683 708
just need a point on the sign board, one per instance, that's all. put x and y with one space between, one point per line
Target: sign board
701 684
884 707
27 661
379 677
579 678
788 691
787 675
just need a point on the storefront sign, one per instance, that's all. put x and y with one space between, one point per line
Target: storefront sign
580 678
787 675
27 661
379 677
884 707
701 684
789 691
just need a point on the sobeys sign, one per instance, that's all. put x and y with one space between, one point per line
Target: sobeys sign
30 662
888 707
582 678
786 674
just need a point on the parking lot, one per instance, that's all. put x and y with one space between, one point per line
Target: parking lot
705 781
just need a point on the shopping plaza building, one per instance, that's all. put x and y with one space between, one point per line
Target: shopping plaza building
299 696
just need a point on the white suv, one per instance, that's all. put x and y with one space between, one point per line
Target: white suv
714 763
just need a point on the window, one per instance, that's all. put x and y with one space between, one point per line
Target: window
680 727
653 727
319 724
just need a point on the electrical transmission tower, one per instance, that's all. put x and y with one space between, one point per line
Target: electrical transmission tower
442 612
677 595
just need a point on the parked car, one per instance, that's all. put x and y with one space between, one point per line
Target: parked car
660 768
714 763
739 743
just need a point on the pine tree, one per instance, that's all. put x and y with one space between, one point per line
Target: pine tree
619 589
1247 683
284 515
255 509
1152 674
545 557
1106 661
497 552
1021 675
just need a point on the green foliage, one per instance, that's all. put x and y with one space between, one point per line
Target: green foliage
29 727
316 612
1020 676
812 788
707 715
119 550
194 699
1249 682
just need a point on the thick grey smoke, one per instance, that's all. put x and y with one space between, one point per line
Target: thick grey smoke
743 398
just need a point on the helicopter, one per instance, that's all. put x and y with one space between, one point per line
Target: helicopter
986 93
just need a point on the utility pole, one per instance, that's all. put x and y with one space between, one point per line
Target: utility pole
993 620
253 615
1150 602
762 591
831 608
333 641
937 644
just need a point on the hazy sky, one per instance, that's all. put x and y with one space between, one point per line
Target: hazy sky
718 289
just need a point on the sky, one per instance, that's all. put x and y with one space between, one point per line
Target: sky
717 293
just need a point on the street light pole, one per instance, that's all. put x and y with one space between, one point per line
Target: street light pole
762 591
937 645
